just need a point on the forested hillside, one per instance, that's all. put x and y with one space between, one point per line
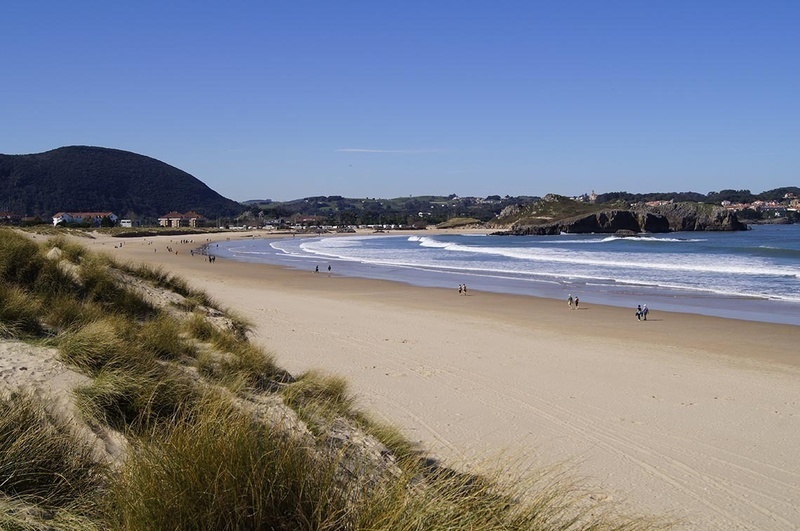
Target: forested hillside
85 178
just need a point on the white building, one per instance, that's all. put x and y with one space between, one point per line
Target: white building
81 217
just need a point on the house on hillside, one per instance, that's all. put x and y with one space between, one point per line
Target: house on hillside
9 218
94 218
176 219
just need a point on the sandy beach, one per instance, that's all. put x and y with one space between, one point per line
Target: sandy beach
693 417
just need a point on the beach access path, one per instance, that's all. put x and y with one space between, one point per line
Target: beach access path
693 417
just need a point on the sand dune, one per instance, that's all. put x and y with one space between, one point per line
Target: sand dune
685 415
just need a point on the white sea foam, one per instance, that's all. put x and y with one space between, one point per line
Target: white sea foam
725 265
609 239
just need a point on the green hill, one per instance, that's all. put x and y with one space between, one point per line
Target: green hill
85 178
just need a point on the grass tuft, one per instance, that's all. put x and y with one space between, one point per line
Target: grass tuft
19 312
20 259
223 470
101 286
97 345
71 251
124 399
164 279
319 398
40 458
162 337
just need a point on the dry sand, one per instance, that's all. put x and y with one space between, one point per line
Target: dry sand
690 416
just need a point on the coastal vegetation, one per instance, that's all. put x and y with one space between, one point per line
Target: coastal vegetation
161 414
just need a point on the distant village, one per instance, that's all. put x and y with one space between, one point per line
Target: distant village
765 211
762 209
104 219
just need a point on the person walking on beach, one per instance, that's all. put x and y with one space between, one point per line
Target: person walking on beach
639 312
569 301
645 311
577 302
316 269
465 289
460 289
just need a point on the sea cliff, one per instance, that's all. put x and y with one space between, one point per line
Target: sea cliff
640 218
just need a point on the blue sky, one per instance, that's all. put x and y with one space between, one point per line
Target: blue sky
290 99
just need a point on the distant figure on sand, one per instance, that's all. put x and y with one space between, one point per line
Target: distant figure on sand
577 302
316 269
460 289
329 269
465 289
645 311
569 301
639 312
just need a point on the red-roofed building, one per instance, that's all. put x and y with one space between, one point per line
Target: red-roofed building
176 219
9 218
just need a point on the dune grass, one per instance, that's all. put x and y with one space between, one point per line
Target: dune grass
134 402
164 279
101 344
41 459
319 398
493 501
71 251
162 336
102 287
20 260
223 470
19 312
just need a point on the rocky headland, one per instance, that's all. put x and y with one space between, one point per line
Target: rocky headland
671 217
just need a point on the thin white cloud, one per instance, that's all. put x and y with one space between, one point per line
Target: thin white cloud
394 151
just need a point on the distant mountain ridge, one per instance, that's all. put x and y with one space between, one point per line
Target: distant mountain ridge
87 178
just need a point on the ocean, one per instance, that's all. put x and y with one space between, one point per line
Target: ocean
752 275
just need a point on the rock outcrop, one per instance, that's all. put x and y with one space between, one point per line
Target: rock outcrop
666 218
698 217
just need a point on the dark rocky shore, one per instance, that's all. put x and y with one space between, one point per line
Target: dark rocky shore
671 217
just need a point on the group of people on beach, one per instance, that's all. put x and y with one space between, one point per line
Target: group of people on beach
462 289
641 309
573 303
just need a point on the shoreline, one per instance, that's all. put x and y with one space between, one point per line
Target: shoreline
617 293
688 415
